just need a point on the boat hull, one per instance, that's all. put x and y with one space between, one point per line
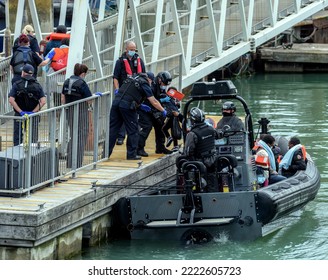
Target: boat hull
238 215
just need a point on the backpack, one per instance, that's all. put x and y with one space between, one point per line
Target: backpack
59 61
22 57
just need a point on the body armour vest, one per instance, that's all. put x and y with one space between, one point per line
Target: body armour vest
206 139
28 94
72 89
131 90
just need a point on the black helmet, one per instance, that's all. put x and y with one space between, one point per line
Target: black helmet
228 105
165 77
196 115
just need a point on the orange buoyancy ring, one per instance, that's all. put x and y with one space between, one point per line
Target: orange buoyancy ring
58 36
128 67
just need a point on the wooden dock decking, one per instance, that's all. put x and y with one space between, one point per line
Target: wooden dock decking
40 223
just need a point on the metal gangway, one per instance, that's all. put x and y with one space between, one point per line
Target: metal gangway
190 38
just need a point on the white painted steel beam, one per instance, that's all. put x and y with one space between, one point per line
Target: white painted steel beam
35 20
120 29
19 17
63 11
101 16
213 27
80 12
178 34
222 24
94 45
138 39
191 31
157 35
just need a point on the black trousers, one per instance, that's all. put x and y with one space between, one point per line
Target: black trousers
121 113
146 122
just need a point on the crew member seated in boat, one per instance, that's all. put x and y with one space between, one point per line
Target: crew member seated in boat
294 159
229 118
265 160
200 145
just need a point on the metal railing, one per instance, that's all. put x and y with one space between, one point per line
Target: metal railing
5 85
54 143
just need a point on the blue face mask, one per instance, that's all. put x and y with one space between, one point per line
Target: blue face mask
163 87
131 53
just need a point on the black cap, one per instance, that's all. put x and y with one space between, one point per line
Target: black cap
28 68
151 75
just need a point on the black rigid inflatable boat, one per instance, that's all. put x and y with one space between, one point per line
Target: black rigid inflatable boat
180 209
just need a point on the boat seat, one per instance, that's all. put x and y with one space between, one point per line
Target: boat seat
194 171
226 172
226 161
179 161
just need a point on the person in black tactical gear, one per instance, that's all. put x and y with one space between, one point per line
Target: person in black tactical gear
229 119
24 55
129 64
75 88
27 97
200 145
153 118
130 97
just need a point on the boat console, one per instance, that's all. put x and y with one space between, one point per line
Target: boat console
233 149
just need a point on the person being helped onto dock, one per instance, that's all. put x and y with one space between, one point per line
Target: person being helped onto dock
57 57
229 118
172 106
294 159
200 145
54 40
75 88
129 98
265 160
153 117
128 65
27 97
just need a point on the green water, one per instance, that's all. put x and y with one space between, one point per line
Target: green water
295 104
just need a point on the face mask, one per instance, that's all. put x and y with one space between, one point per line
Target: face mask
131 53
226 114
163 87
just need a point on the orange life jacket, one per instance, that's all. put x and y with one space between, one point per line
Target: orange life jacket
304 152
58 36
128 67
59 60
262 161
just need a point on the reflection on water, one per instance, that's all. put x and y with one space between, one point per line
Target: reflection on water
295 104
